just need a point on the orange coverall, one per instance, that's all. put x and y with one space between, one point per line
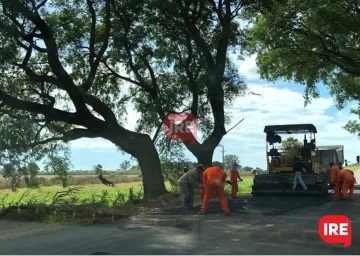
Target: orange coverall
335 179
213 180
348 178
234 176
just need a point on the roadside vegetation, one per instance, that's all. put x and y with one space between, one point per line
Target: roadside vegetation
86 198
353 167
64 67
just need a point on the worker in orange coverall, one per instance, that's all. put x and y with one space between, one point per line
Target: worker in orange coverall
335 179
348 179
214 181
341 181
234 176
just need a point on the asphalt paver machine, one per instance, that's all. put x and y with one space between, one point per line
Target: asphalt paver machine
279 178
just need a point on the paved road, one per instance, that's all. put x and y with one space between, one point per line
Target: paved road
259 225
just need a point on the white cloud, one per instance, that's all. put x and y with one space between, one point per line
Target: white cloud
248 68
87 143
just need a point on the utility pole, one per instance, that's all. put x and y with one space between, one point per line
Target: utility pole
223 155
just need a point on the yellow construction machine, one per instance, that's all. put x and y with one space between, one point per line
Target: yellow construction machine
279 178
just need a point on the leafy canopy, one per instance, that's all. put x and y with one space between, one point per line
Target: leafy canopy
290 145
229 160
310 42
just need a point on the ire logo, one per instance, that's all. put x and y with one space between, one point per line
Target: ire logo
181 126
335 229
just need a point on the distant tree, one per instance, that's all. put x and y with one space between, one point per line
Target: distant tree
59 165
10 172
98 169
125 165
289 145
218 164
29 173
247 168
229 160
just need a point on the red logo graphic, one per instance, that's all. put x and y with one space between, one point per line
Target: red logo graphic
181 126
335 229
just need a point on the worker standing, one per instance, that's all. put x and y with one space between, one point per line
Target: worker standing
348 179
188 182
298 169
234 177
214 181
335 179
340 181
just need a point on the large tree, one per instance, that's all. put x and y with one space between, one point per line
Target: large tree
229 160
309 42
185 66
290 145
51 56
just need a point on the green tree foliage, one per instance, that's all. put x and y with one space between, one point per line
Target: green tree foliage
30 173
55 82
182 64
247 168
98 169
310 42
230 160
173 162
125 165
217 164
59 165
14 173
290 145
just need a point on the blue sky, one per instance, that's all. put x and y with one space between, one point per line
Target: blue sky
281 103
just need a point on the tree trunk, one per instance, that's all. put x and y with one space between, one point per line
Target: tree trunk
204 158
143 149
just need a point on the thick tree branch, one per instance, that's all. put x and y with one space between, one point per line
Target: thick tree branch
53 56
116 74
101 108
158 129
49 112
74 134
218 10
221 50
94 65
92 32
195 34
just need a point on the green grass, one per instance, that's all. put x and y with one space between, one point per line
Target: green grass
87 192
244 186
353 167
93 191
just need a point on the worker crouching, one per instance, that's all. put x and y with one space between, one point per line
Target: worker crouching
214 181
188 182
348 180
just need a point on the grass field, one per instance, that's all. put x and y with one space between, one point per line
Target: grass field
93 193
88 193
353 167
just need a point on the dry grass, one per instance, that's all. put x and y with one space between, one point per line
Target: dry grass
51 180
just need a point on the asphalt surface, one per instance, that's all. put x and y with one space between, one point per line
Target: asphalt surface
258 225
